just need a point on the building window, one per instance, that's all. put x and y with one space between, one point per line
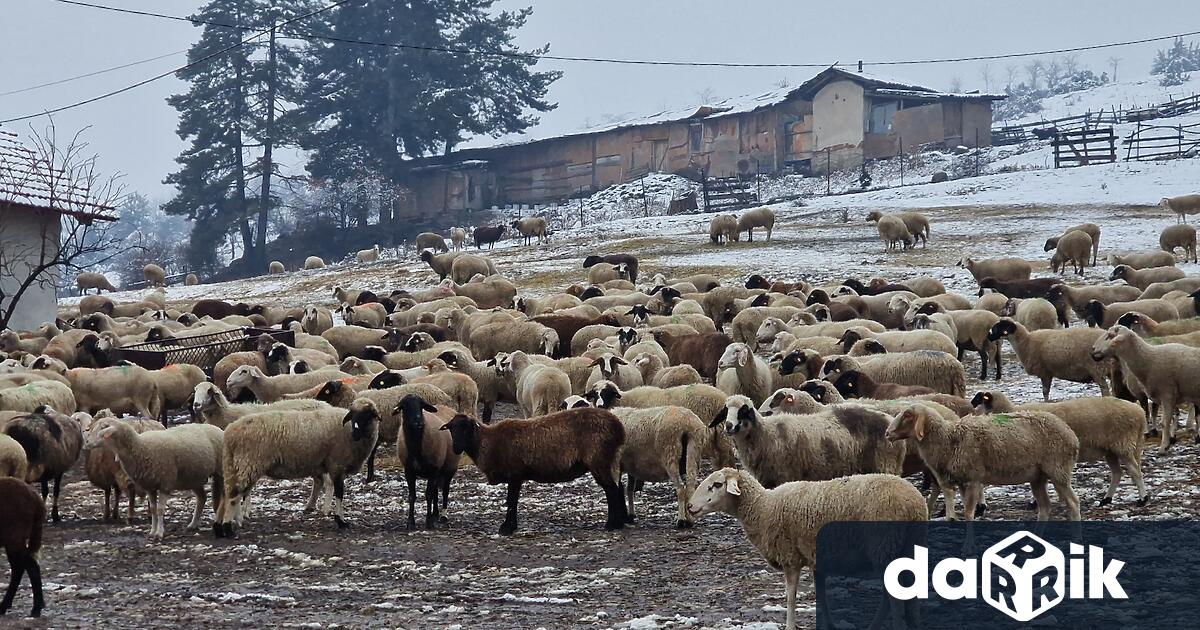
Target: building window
880 119
695 133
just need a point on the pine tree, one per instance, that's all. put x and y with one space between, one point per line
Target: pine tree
230 117
1176 62
370 107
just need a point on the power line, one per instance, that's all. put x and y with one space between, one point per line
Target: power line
186 66
646 62
92 74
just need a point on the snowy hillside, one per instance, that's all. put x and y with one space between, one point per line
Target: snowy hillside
1122 95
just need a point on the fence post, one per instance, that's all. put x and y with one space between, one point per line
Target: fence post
645 200
902 161
827 163
1179 142
977 152
581 206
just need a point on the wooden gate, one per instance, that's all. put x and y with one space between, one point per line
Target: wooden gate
729 193
1084 147
1162 142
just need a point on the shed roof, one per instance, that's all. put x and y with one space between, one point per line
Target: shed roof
30 182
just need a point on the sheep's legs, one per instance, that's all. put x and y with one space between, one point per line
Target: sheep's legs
983 362
971 493
1067 495
1114 478
35 581
1133 466
1042 497
411 480
510 502
790 580
153 514
107 501
610 482
339 491
1167 408
1046 388
195 524
16 563
371 464
629 495
314 496
431 503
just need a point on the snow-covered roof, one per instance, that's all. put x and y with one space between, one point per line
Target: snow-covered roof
936 95
26 180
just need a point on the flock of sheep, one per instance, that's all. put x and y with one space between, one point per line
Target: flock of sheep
627 378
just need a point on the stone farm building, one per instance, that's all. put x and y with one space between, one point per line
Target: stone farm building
835 120
34 198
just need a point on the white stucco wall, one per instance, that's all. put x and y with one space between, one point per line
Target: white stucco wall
21 231
838 115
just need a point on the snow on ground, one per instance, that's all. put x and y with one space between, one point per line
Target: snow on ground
1137 93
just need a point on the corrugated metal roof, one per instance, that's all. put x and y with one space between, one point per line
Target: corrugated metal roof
27 180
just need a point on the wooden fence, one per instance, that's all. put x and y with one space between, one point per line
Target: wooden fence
1043 129
1162 142
729 193
1084 147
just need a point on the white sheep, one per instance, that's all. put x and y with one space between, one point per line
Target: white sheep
1181 205
368 255
740 372
661 444
539 388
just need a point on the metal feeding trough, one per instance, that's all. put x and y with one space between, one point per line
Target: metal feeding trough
202 351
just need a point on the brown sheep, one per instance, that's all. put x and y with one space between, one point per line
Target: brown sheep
701 351
1179 236
21 536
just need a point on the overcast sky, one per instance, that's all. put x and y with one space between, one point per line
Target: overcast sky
43 41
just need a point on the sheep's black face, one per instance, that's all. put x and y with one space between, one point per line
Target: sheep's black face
366 297
386 379
450 359
1051 243
627 336
361 422
816 389
847 384
756 281
855 284
278 352
790 362
411 409
818 296
821 313
872 346
591 292
832 366
374 353
329 391
670 294
1129 320
1001 329
929 308
742 421
592 260
982 398
462 433
91 322
605 397
761 300
849 338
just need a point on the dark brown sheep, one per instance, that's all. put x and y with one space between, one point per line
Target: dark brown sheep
21 535
808 362
701 351
1032 288
427 454
629 260
488 235
874 288
855 384
554 448
757 281
841 310
567 325
215 309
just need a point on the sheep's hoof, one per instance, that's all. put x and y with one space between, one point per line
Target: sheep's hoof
341 523
218 531
309 509
629 520
1105 501
55 517
1151 433
412 524
507 529
1172 441
682 524
613 525
442 519
431 523
1143 501
982 507
1032 505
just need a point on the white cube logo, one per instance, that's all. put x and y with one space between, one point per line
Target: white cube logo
1023 576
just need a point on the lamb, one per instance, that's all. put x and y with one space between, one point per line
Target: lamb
806 507
1049 354
191 280
1031 447
458 237
154 275
439 263
744 374
372 315
493 291
1091 229
1108 429
34 393
701 351
662 444
314 262
1166 372
539 388
855 384
269 389
292 445
631 262
368 255
12 457
558 447
1143 278
1032 313
275 268
1179 236
723 226
530 337
11 342
466 266
92 280
488 235
703 400
838 441
1104 316
51 442
426 453
1073 247
1143 260
1077 298
1181 205
938 371
183 457
492 388
916 223
1005 269
756 218
893 232
21 536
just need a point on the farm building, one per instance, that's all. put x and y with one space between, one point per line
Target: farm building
834 121
34 199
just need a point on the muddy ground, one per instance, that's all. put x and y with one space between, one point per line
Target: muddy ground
561 569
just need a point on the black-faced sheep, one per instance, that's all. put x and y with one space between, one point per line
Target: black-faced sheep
1050 354
426 452
52 442
559 447
488 235
630 261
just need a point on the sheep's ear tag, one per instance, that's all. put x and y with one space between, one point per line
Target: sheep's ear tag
731 486
1002 419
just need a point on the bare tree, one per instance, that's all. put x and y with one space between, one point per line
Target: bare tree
1054 73
1113 62
956 85
64 177
1010 75
985 73
1070 64
706 95
1034 69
